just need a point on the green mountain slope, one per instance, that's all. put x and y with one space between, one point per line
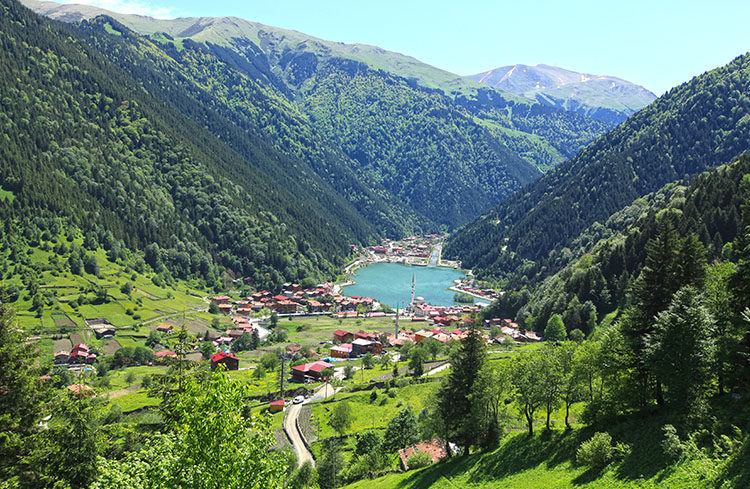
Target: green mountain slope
228 100
696 126
295 64
605 98
82 142
594 274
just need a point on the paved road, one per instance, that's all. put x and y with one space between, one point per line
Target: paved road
290 424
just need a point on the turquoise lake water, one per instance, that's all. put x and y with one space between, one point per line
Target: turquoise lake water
390 283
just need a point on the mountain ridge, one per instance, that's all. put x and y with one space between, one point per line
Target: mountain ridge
603 97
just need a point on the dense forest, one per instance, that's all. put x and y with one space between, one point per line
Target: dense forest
228 99
134 173
462 127
595 275
696 126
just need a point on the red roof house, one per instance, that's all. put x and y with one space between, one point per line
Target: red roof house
230 361
309 371
276 406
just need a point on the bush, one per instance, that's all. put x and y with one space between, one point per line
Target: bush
417 460
671 444
596 452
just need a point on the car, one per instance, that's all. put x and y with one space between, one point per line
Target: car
298 400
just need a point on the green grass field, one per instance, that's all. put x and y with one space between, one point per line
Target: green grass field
547 460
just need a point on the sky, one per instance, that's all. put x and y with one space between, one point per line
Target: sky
655 43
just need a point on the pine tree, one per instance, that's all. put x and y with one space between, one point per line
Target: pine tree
454 398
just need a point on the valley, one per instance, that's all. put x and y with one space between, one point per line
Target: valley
237 255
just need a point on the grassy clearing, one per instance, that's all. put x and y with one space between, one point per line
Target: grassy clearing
134 401
548 460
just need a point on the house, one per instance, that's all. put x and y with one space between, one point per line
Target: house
61 356
435 447
229 361
342 351
276 406
81 390
104 332
343 336
220 299
363 347
161 355
421 334
309 371
164 328
225 309
79 354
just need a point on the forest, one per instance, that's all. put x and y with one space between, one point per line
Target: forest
696 126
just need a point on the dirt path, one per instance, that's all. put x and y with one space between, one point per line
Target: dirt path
293 431
120 392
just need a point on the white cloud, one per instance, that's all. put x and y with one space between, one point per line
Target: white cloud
130 7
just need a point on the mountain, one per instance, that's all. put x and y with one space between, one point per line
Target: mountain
699 125
86 146
605 98
607 257
297 64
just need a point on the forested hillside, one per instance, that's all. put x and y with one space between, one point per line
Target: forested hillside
84 143
596 273
227 99
488 141
696 126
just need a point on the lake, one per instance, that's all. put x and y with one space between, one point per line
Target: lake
390 283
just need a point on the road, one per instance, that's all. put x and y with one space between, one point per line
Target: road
437 251
291 428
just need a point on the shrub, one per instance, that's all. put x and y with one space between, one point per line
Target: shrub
596 452
671 444
417 460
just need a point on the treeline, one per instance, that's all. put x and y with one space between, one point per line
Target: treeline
696 126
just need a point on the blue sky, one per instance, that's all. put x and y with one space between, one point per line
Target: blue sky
656 43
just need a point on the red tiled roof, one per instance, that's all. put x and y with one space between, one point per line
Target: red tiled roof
165 353
279 402
216 357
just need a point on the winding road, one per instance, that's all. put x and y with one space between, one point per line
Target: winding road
291 426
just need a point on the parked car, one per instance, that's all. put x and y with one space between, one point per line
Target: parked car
298 400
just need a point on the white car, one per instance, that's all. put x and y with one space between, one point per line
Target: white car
298 400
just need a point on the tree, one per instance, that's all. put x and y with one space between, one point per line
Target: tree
417 357
529 391
432 346
326 375
367 361
348 371
454 399
550 379
243 343
213 308
303 477
571 388
680 350
402 431
555 330
369 441
22 400
341 417
330 464
213 444
130 377
274 321
207 349
718 300
490 391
